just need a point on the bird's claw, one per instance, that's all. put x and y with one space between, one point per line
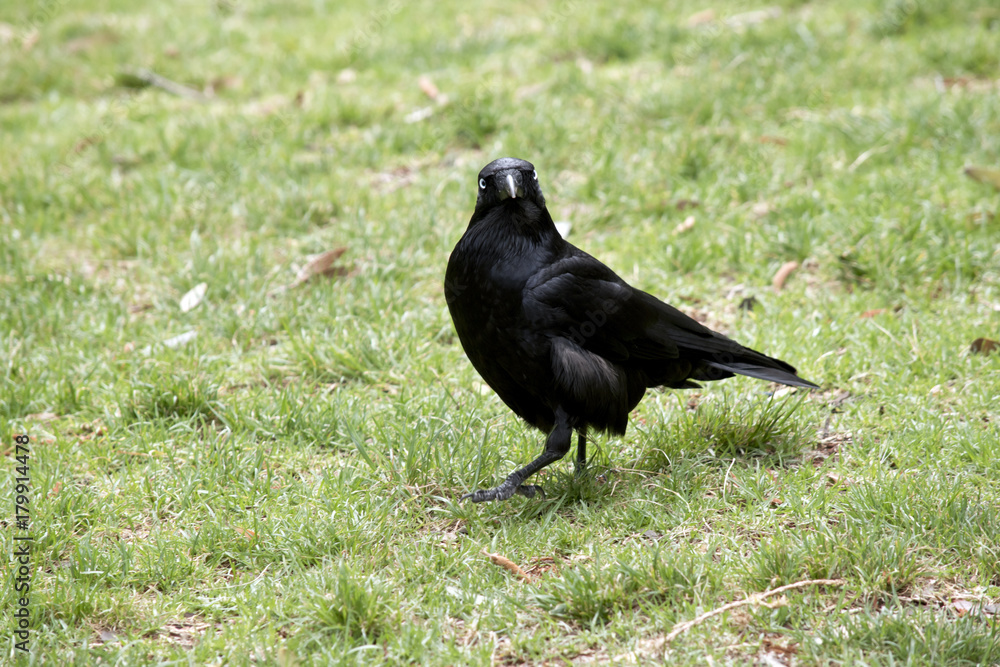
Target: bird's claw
503 492
529 490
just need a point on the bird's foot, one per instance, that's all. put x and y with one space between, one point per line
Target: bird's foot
503 492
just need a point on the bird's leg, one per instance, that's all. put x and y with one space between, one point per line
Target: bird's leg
581 452
556 446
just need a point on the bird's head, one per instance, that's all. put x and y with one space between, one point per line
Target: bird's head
508 178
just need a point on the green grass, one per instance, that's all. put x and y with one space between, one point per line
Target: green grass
282 489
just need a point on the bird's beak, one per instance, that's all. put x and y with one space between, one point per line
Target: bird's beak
512 186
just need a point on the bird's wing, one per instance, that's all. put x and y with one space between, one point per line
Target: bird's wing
579 298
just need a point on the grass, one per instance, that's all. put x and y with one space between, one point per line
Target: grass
282 488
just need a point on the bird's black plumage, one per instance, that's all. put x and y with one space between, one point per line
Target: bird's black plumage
565 342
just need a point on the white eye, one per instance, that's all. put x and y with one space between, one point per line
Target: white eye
535 174
482 183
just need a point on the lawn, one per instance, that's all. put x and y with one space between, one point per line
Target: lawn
245 451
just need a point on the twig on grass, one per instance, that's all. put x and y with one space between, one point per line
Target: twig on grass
756 598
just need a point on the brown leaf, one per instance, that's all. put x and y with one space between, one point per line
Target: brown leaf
682 204
319 265
778 282
980 216
55 489
224 82
774 645
984 346
872 313
974 607
771 139
960 81
984 175
507 564
973 84
963 606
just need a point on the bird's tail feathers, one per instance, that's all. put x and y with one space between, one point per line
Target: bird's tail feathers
761 373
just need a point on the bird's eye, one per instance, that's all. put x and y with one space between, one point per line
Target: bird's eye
482 183
535 174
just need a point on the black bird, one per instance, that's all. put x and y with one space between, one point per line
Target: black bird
565 342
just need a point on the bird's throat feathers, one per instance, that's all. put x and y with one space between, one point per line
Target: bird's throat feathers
513 233
513 221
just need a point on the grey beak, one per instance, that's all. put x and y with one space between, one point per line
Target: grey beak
511 188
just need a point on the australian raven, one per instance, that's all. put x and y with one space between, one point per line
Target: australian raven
565 342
